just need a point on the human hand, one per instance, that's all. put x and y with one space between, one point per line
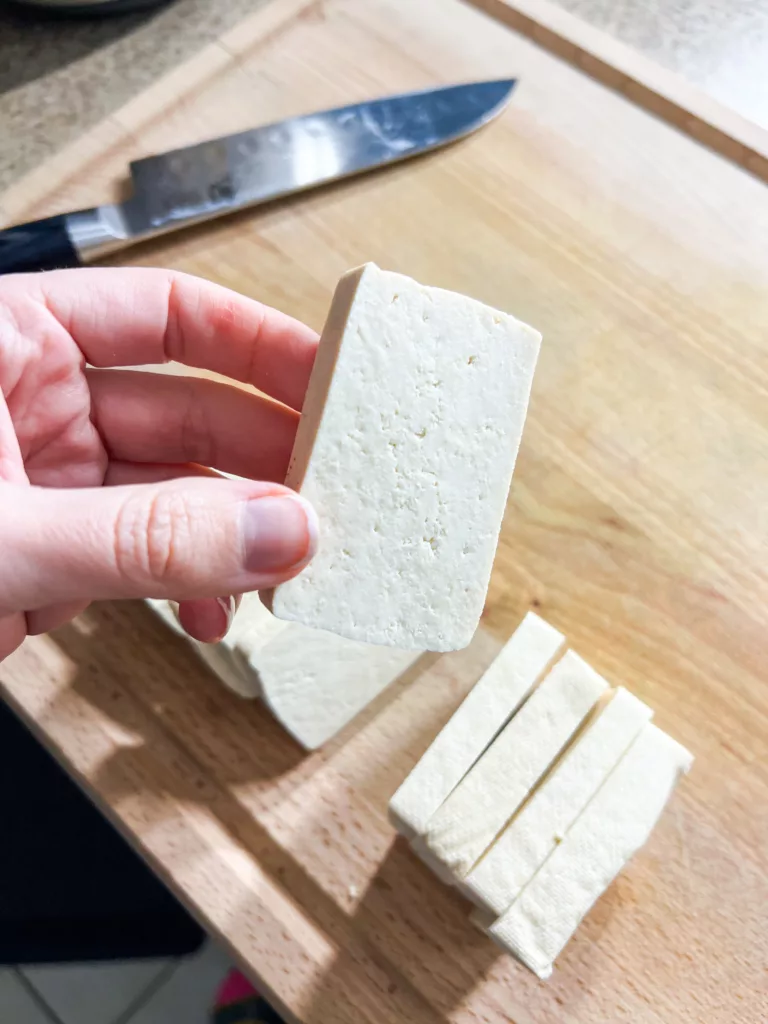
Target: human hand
105 490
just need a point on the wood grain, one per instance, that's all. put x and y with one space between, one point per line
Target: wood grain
637 525
641 80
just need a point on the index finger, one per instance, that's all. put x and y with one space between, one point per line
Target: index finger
132 316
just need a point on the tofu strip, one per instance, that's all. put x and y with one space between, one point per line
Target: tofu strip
221 658
313 682
486 799
406 446
507 867
484 712
613 826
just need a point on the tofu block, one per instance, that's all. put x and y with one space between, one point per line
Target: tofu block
316 682
485 711
426 856
518 853
406 446
252 626
313 682
614 825
489 795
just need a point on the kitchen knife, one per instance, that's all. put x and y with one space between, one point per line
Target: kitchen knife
197 183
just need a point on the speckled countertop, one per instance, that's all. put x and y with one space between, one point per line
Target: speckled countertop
721 45
60 77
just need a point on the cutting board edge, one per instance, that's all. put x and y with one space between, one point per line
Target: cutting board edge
637 78
614 64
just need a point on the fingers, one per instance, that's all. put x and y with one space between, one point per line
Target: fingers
155 417
120 473
45 619
208 620
11 460
13 630
179 539
132 316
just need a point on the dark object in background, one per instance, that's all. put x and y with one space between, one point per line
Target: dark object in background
71 888
89 8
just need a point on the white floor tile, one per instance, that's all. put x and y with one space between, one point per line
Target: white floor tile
187 996
95 993
16 1004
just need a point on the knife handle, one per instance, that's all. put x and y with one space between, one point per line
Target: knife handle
38 245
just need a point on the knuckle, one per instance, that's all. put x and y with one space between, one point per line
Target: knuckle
151 537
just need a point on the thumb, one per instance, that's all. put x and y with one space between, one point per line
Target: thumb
178 539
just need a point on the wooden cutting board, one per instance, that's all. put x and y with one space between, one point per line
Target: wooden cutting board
637 525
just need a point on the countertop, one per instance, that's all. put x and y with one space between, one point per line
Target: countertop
60 77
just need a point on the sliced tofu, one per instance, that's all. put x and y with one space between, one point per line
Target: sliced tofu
507 867
406 447
485 711
614 825
252 626
166 611
314 682
426 856
486 799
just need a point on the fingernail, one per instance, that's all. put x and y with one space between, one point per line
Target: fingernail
280 533
207 619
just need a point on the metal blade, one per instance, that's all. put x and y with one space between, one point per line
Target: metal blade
229 173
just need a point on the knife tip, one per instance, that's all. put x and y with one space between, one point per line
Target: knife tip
498 92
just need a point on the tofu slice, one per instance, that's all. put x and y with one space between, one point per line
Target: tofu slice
614 825
438 869
485 711
406 447
253 625
484 801
507 867
314 682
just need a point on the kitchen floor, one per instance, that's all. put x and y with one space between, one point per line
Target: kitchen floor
129 992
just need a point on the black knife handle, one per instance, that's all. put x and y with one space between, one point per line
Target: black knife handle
39 245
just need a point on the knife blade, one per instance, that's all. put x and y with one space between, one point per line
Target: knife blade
209 179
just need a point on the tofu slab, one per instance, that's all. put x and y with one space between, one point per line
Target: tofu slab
253 626
314 682
614 825
507 867
486 799
485 711
406 447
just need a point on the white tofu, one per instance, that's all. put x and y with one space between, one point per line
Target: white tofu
313 682
484 712
614 825
316 682
252 626
406 446
507 867
426 856
165 610
484 801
